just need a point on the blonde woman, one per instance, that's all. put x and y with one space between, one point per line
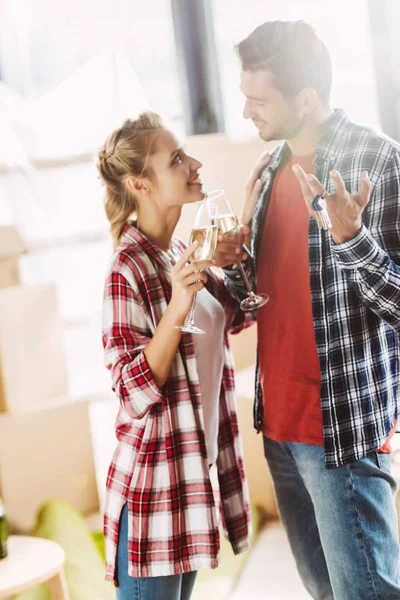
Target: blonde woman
161 522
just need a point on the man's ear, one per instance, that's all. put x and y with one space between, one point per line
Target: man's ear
306 101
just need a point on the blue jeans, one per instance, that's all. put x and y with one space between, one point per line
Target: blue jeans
341 523
170 587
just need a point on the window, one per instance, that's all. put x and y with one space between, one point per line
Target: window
42 42
59 209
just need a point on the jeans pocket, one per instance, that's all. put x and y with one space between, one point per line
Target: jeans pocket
384 461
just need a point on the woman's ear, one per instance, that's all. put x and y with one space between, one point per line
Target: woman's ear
137 185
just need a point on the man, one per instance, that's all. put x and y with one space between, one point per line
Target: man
328 339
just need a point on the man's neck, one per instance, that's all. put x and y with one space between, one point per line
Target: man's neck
305 142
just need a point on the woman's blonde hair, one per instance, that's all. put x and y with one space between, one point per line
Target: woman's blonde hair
124 154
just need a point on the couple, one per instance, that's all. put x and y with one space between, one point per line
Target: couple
328 347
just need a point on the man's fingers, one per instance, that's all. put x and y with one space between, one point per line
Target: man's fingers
365 189
229 246
305 188
223 259
316 187
338 182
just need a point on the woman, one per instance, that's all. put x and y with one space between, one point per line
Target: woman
161 521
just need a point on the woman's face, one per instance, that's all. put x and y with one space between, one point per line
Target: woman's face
174 178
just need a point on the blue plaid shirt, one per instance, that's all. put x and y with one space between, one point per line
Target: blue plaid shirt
355 292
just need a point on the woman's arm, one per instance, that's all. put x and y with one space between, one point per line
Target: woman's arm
140 364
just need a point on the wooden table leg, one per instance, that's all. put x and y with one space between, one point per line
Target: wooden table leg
58 587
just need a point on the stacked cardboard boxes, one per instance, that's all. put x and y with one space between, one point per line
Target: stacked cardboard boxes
45 438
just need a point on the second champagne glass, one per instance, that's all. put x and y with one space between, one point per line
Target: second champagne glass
228 223
205 232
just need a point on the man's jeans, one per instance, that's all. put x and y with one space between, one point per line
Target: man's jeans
170 587
341 523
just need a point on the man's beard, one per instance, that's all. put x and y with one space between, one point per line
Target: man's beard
286 131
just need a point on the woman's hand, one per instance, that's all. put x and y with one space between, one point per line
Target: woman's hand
187 279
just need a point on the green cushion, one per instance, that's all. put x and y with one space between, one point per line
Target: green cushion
98 539
84 565
84 558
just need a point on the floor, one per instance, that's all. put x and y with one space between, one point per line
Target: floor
270 571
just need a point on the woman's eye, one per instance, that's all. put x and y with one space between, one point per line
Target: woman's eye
177 159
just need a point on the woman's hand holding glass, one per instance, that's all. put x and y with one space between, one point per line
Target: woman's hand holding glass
187 278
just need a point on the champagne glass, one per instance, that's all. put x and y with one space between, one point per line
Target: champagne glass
205 232
228 223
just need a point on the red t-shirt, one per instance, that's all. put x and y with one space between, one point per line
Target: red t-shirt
288 358
289 365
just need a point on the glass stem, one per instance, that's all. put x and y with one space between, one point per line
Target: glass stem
245 279
190 318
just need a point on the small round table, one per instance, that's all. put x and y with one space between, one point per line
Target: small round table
30 562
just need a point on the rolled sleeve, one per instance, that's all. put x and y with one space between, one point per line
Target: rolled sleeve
138 388
125 336
360 252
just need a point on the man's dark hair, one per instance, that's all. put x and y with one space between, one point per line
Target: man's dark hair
293 53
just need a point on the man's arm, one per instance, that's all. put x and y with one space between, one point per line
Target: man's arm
235 282
228 248
373 272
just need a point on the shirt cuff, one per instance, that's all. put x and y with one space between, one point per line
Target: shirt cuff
242 546
146 379
361 252
141 387
232 272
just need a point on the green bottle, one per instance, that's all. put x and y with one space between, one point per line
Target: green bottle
3 531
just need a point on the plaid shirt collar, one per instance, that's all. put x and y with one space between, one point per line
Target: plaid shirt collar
131 236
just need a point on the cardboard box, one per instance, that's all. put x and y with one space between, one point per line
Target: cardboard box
258 476
32 366
244 348
45 455
11 247
255 464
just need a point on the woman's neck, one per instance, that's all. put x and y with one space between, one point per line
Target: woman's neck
159 226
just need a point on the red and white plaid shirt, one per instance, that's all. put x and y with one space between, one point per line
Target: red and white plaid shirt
160 466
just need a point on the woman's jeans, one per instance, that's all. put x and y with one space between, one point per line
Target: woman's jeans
171 587
341 522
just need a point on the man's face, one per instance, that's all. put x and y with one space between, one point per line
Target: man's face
274 115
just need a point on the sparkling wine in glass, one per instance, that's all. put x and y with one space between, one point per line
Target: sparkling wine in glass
205 232
228 223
